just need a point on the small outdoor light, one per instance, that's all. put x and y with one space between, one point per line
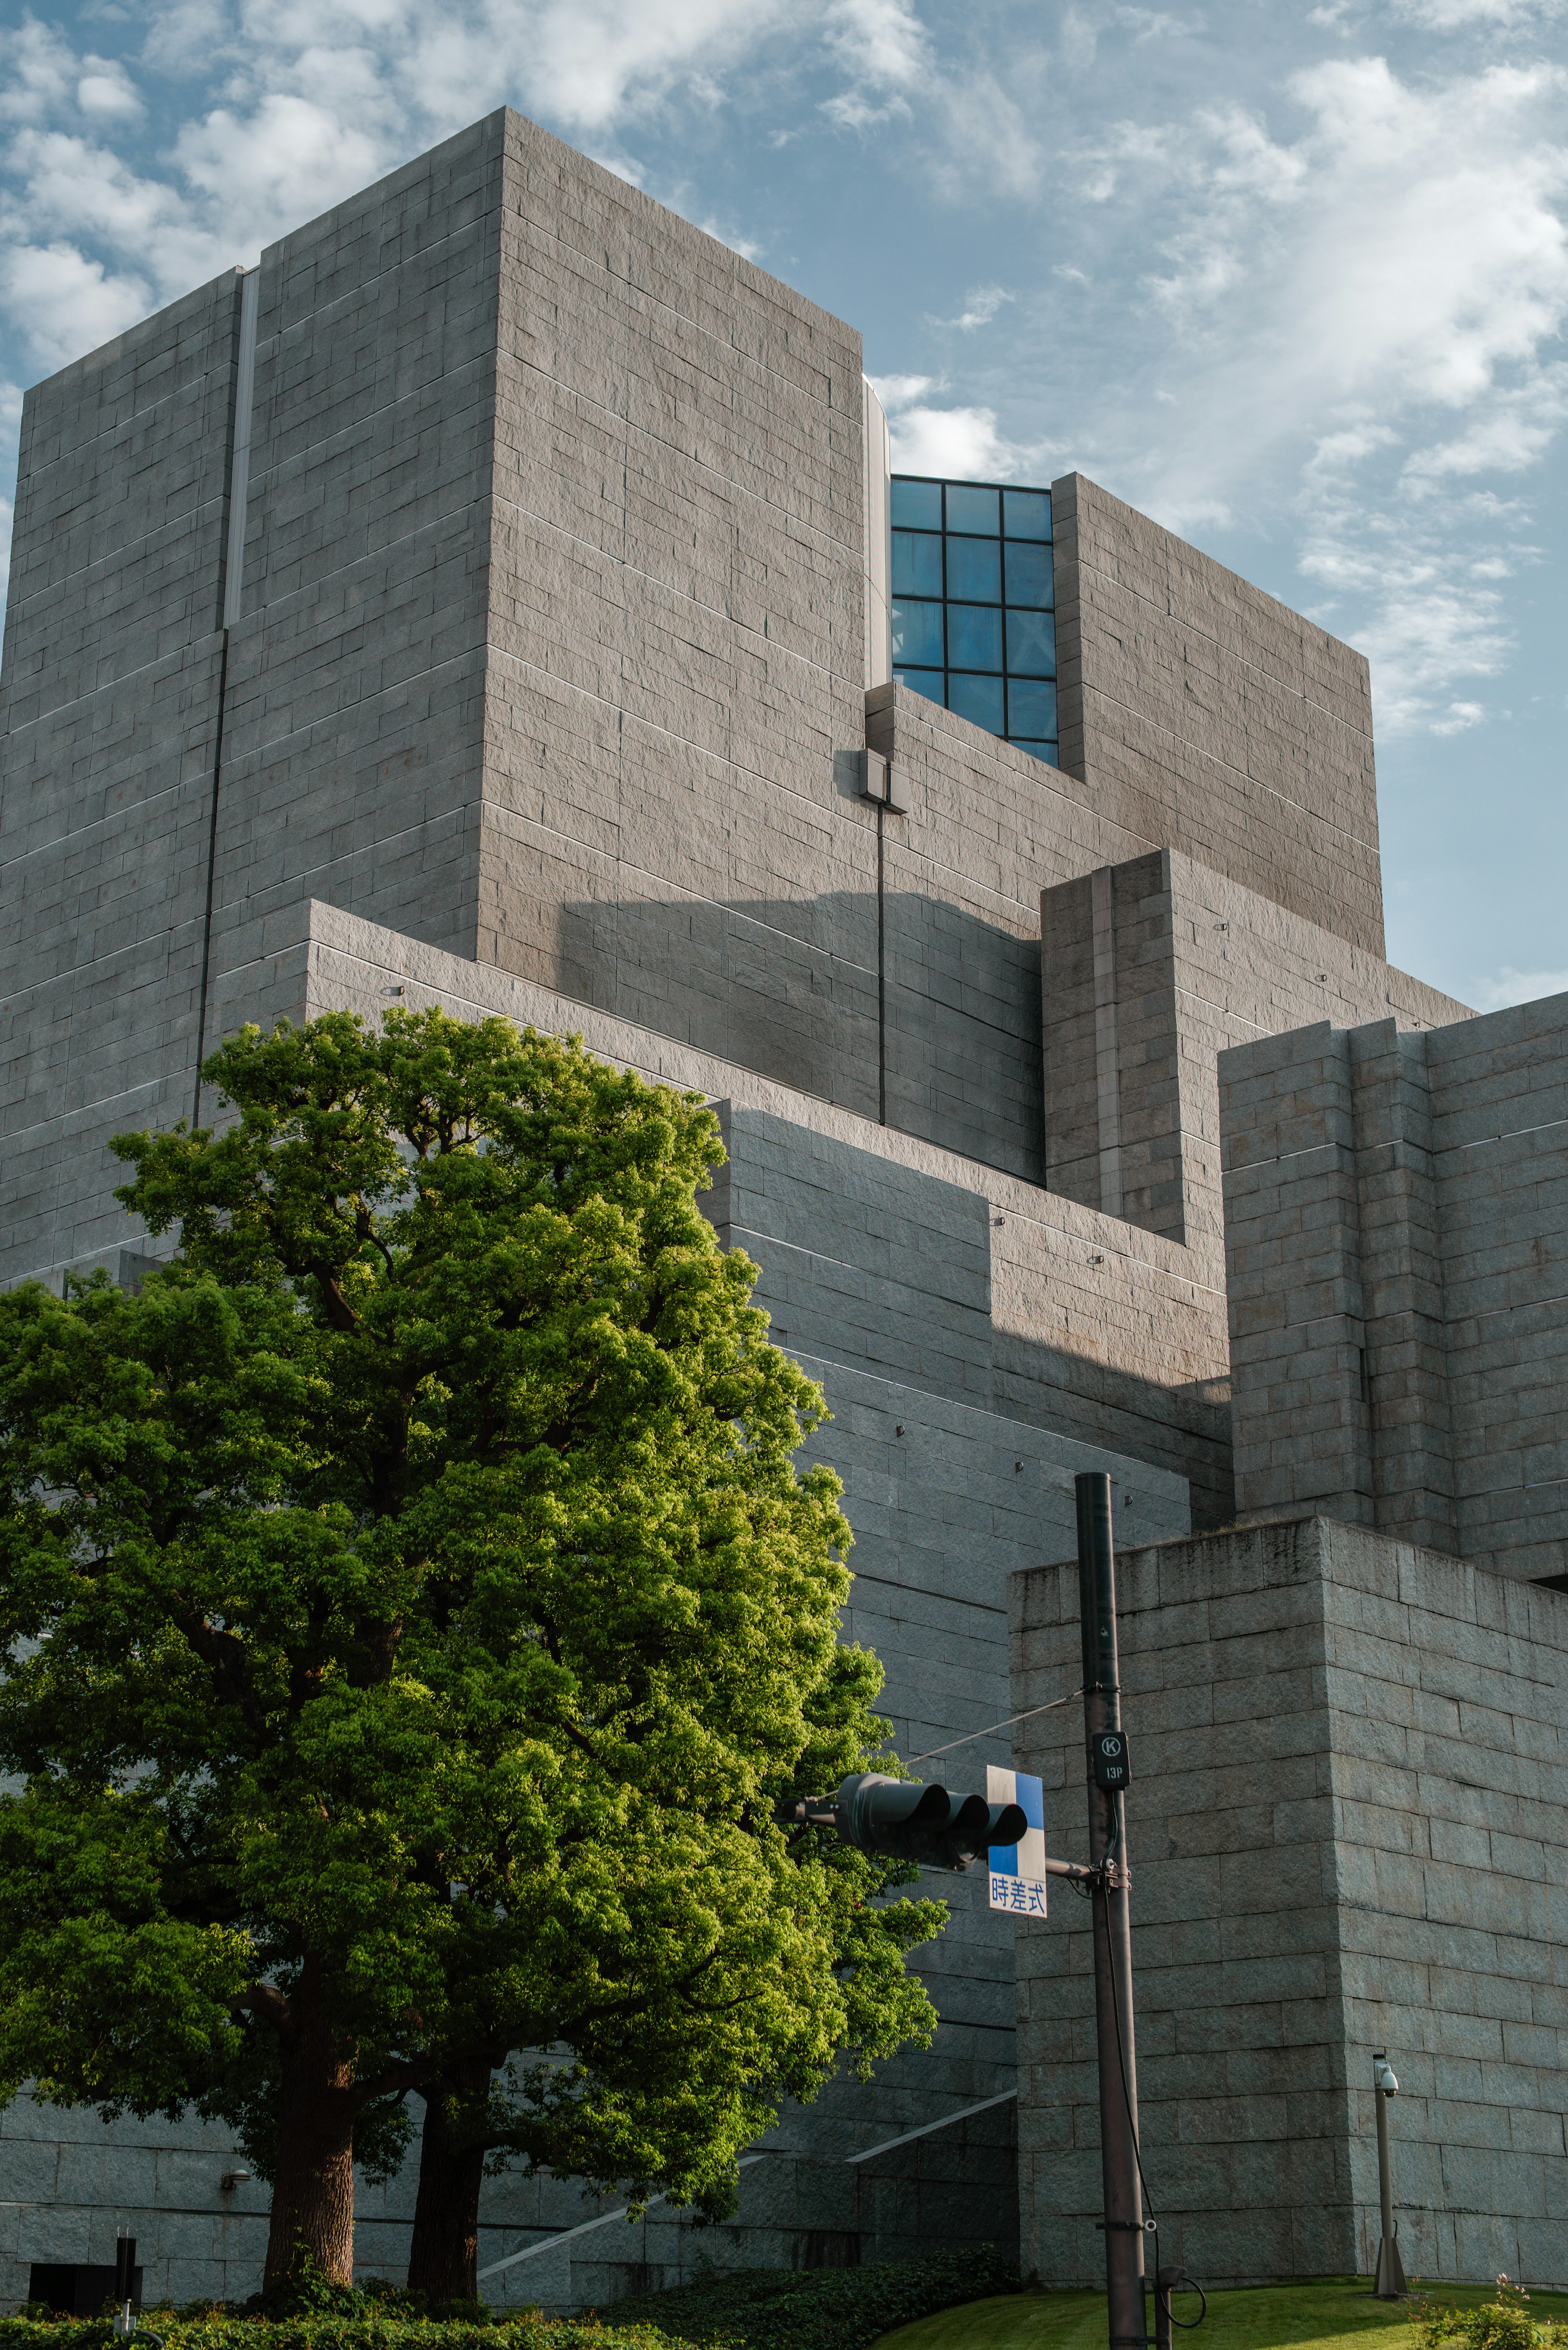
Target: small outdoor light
1389 2282
231 2179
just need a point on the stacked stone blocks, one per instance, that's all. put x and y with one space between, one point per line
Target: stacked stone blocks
1397 1206
1138 1007
1207 717
1345 1835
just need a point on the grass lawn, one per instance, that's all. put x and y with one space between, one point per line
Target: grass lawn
1336 2313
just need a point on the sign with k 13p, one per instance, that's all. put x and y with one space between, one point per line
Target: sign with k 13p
1018 1870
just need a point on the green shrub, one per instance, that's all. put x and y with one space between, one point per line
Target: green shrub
206 2328
816 2309
1504 2324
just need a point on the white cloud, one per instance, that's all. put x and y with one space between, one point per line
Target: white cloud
963 442
69 302
1373 304
1509 986
878 41
902 391
586 62
1457 16
38 72
985 138
882 45
264 172
105 92
979 309
308 100
1459 718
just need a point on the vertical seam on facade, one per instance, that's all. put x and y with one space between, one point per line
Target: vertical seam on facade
240 452
233 581
881 980
1107 1075
1340 2092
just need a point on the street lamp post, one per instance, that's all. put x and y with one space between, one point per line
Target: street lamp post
1389 2282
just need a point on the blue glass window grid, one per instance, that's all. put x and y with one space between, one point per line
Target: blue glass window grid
973 589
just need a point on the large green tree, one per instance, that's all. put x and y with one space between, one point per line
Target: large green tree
411 1612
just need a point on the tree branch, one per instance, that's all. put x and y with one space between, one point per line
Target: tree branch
339 1312
269 2004
230 1664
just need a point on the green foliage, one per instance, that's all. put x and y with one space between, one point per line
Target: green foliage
212 2329
818 2309
1505 2323
411 1612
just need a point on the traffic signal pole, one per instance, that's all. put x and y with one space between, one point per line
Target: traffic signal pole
1104 1744
941 1827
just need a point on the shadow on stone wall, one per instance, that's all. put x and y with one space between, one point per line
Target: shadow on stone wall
789 987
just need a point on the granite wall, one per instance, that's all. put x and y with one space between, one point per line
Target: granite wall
1397 1223
1150 971
1346 1827
1202 713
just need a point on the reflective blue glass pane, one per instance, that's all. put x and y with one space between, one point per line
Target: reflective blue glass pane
974 570
917 506
1046 751
974 636
972 509
1032 643
1026 514
928 682
916 634
917 562
978 699
1030 709
1029 577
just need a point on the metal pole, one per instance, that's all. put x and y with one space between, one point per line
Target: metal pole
1164 2280
1388 2284
124 2276
1124 2227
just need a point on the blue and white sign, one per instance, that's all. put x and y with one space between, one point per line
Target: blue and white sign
1018 1870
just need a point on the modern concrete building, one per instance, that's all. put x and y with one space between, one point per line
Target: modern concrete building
1349 1713
490 601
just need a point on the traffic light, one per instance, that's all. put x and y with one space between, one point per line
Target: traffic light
937 1826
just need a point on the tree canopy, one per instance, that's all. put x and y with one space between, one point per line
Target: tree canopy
411 1612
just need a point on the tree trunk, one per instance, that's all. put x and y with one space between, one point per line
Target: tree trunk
443 2257
313 2196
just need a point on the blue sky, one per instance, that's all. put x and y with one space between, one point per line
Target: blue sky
1292 278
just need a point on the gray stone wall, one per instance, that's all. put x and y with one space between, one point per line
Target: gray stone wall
354 722
1150 971
109 691
1206 717
1396 1210
677 635
875 1254
550 631
1345 1831
1097 1331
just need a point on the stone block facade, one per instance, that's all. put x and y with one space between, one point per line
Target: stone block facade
547 634
1150 969
1202 714
474 606
1396 1219
1346 1833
